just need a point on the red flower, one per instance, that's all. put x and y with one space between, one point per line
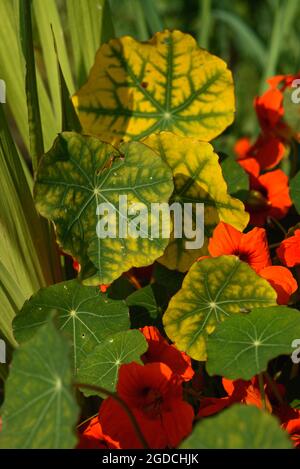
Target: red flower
252 247
245 392
269 197
282 280
154 394
159 350
289 250
268 151
290 421
93 438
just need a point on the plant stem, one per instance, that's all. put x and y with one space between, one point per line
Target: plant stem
279 225
205 23
86 420
274 387
274 47
124 406
262 390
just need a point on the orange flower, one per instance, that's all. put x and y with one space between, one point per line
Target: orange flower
289 250
269 197
159 350
154 395
252 247
282 280
268 151
245 392
93 438
290 421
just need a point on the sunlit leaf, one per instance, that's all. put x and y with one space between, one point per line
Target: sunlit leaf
197 179
295 191
242 346
213 290
81 172
39 409
84 314
167 83
101 367
240 427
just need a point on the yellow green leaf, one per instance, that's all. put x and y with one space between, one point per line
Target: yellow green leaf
77 175
168 83
213 290
197 178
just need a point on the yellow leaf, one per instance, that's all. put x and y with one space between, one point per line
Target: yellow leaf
212 291
168 83
197 178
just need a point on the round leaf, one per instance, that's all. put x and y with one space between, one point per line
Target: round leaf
84 314
198 178
213 290
167 83
77 175
242 346
101 367
39 409
249 428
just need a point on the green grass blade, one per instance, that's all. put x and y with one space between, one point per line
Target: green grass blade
247 39
153 19
34 117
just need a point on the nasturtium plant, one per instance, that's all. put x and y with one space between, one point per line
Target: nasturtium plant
213 290
197 179
81 172
168 83
243 346
101 366
295 191
40 410
240 427
84 314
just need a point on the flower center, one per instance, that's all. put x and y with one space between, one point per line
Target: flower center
152 400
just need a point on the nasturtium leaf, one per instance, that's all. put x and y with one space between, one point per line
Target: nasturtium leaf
239 427
213 290
295 191
236 178
197 179
101 367
84 314
168 83
77 175
147 298
40 410
242 346
292 111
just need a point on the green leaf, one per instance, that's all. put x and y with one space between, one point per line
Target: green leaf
101 367
198 178
90 24
81 172
85 315
242 346
291 112
295 191
147 298
168 83
40 410
33 106
239 427
213 290
236 178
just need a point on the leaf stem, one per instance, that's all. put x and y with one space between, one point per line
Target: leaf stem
274 388
278 225
205 23
262 390
124 406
